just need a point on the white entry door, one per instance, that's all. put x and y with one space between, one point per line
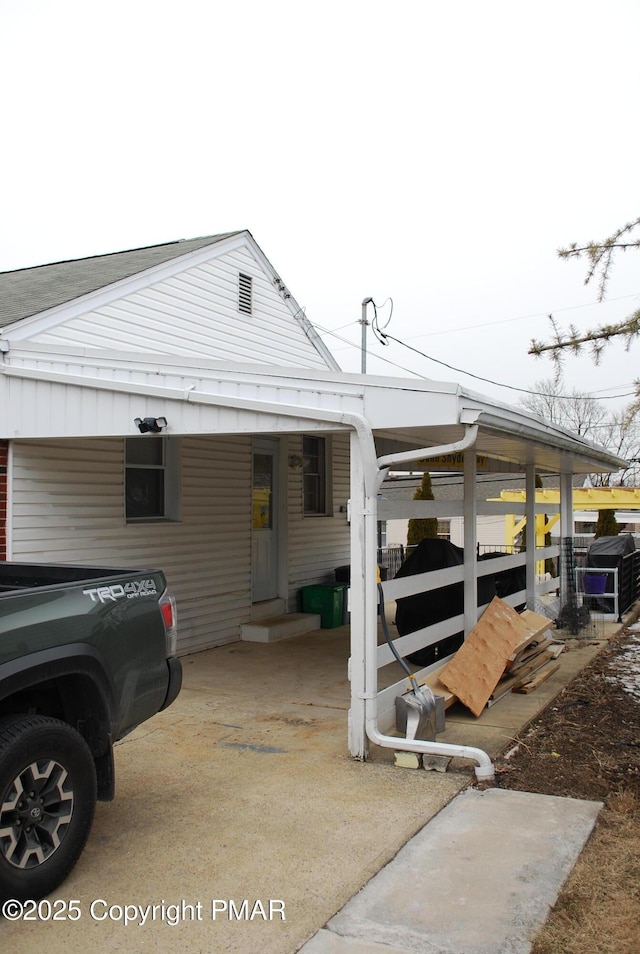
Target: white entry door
264 543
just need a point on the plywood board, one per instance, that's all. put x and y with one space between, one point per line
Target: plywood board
438 688
536 623
476 668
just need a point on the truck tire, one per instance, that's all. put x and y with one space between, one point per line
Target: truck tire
47 802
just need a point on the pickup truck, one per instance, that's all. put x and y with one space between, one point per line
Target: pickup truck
86 655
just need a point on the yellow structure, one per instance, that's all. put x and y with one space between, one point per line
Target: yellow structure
584 498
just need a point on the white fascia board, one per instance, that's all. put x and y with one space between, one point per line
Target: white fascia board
376 391
45 320
422 405
90 362
281 407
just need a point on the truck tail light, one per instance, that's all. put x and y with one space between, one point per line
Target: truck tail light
170 618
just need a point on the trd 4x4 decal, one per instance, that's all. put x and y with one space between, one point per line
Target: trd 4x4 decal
121 591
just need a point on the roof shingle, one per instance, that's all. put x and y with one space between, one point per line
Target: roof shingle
30 291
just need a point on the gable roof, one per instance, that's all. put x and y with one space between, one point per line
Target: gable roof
29 291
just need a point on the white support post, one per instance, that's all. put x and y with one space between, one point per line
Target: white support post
470 542
530 513
363 669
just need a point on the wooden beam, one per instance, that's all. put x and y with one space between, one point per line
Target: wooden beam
535 681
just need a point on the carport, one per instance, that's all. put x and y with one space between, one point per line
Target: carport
392 423
471 433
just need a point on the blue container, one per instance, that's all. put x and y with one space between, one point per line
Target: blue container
595 583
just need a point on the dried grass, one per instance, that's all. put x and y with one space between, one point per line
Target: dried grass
587 745
598 911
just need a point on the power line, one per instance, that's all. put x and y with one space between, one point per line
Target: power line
498 384
351 344
506 321
511 387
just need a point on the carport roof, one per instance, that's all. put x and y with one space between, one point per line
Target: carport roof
38 388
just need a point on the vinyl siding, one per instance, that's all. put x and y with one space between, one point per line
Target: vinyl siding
68 506
317 545
195 313
490 531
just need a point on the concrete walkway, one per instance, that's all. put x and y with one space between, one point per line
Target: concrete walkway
480 878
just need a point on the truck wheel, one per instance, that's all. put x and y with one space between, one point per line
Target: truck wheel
47 801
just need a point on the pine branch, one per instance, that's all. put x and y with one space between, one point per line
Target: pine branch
599 337
601 257
600 254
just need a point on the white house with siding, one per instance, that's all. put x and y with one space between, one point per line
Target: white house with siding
266 470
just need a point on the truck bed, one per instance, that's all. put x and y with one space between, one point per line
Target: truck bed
24 576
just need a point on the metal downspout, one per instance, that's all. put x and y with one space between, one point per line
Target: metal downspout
484 769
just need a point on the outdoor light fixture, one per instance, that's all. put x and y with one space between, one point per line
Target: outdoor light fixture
150 425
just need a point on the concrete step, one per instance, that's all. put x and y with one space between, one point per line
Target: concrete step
273 628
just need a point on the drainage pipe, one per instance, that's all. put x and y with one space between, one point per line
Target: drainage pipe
484 769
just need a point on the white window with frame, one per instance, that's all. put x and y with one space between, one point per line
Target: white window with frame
152 467
316 483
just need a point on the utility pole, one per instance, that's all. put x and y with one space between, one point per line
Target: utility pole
363 346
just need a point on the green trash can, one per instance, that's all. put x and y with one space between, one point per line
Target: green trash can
327 599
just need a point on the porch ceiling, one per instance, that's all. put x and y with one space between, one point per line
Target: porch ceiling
501 451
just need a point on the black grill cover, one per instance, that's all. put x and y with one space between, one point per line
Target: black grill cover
423 609
608 551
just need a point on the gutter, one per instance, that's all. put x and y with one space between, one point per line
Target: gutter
568 443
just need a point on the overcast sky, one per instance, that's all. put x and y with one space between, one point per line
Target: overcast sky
437 153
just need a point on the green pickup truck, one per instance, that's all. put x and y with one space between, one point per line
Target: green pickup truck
86 655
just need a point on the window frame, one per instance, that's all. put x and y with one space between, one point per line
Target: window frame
323 473
168 466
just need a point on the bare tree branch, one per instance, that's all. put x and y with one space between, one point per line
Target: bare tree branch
619 431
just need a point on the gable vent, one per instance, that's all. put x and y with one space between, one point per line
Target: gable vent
244 293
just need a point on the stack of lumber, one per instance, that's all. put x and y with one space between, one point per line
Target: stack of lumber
505 652
526 668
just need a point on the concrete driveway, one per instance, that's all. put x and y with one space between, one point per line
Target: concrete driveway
240 821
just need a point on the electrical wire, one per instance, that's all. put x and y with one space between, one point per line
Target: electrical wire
498 384
507 321
375 324
511 387
372 354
